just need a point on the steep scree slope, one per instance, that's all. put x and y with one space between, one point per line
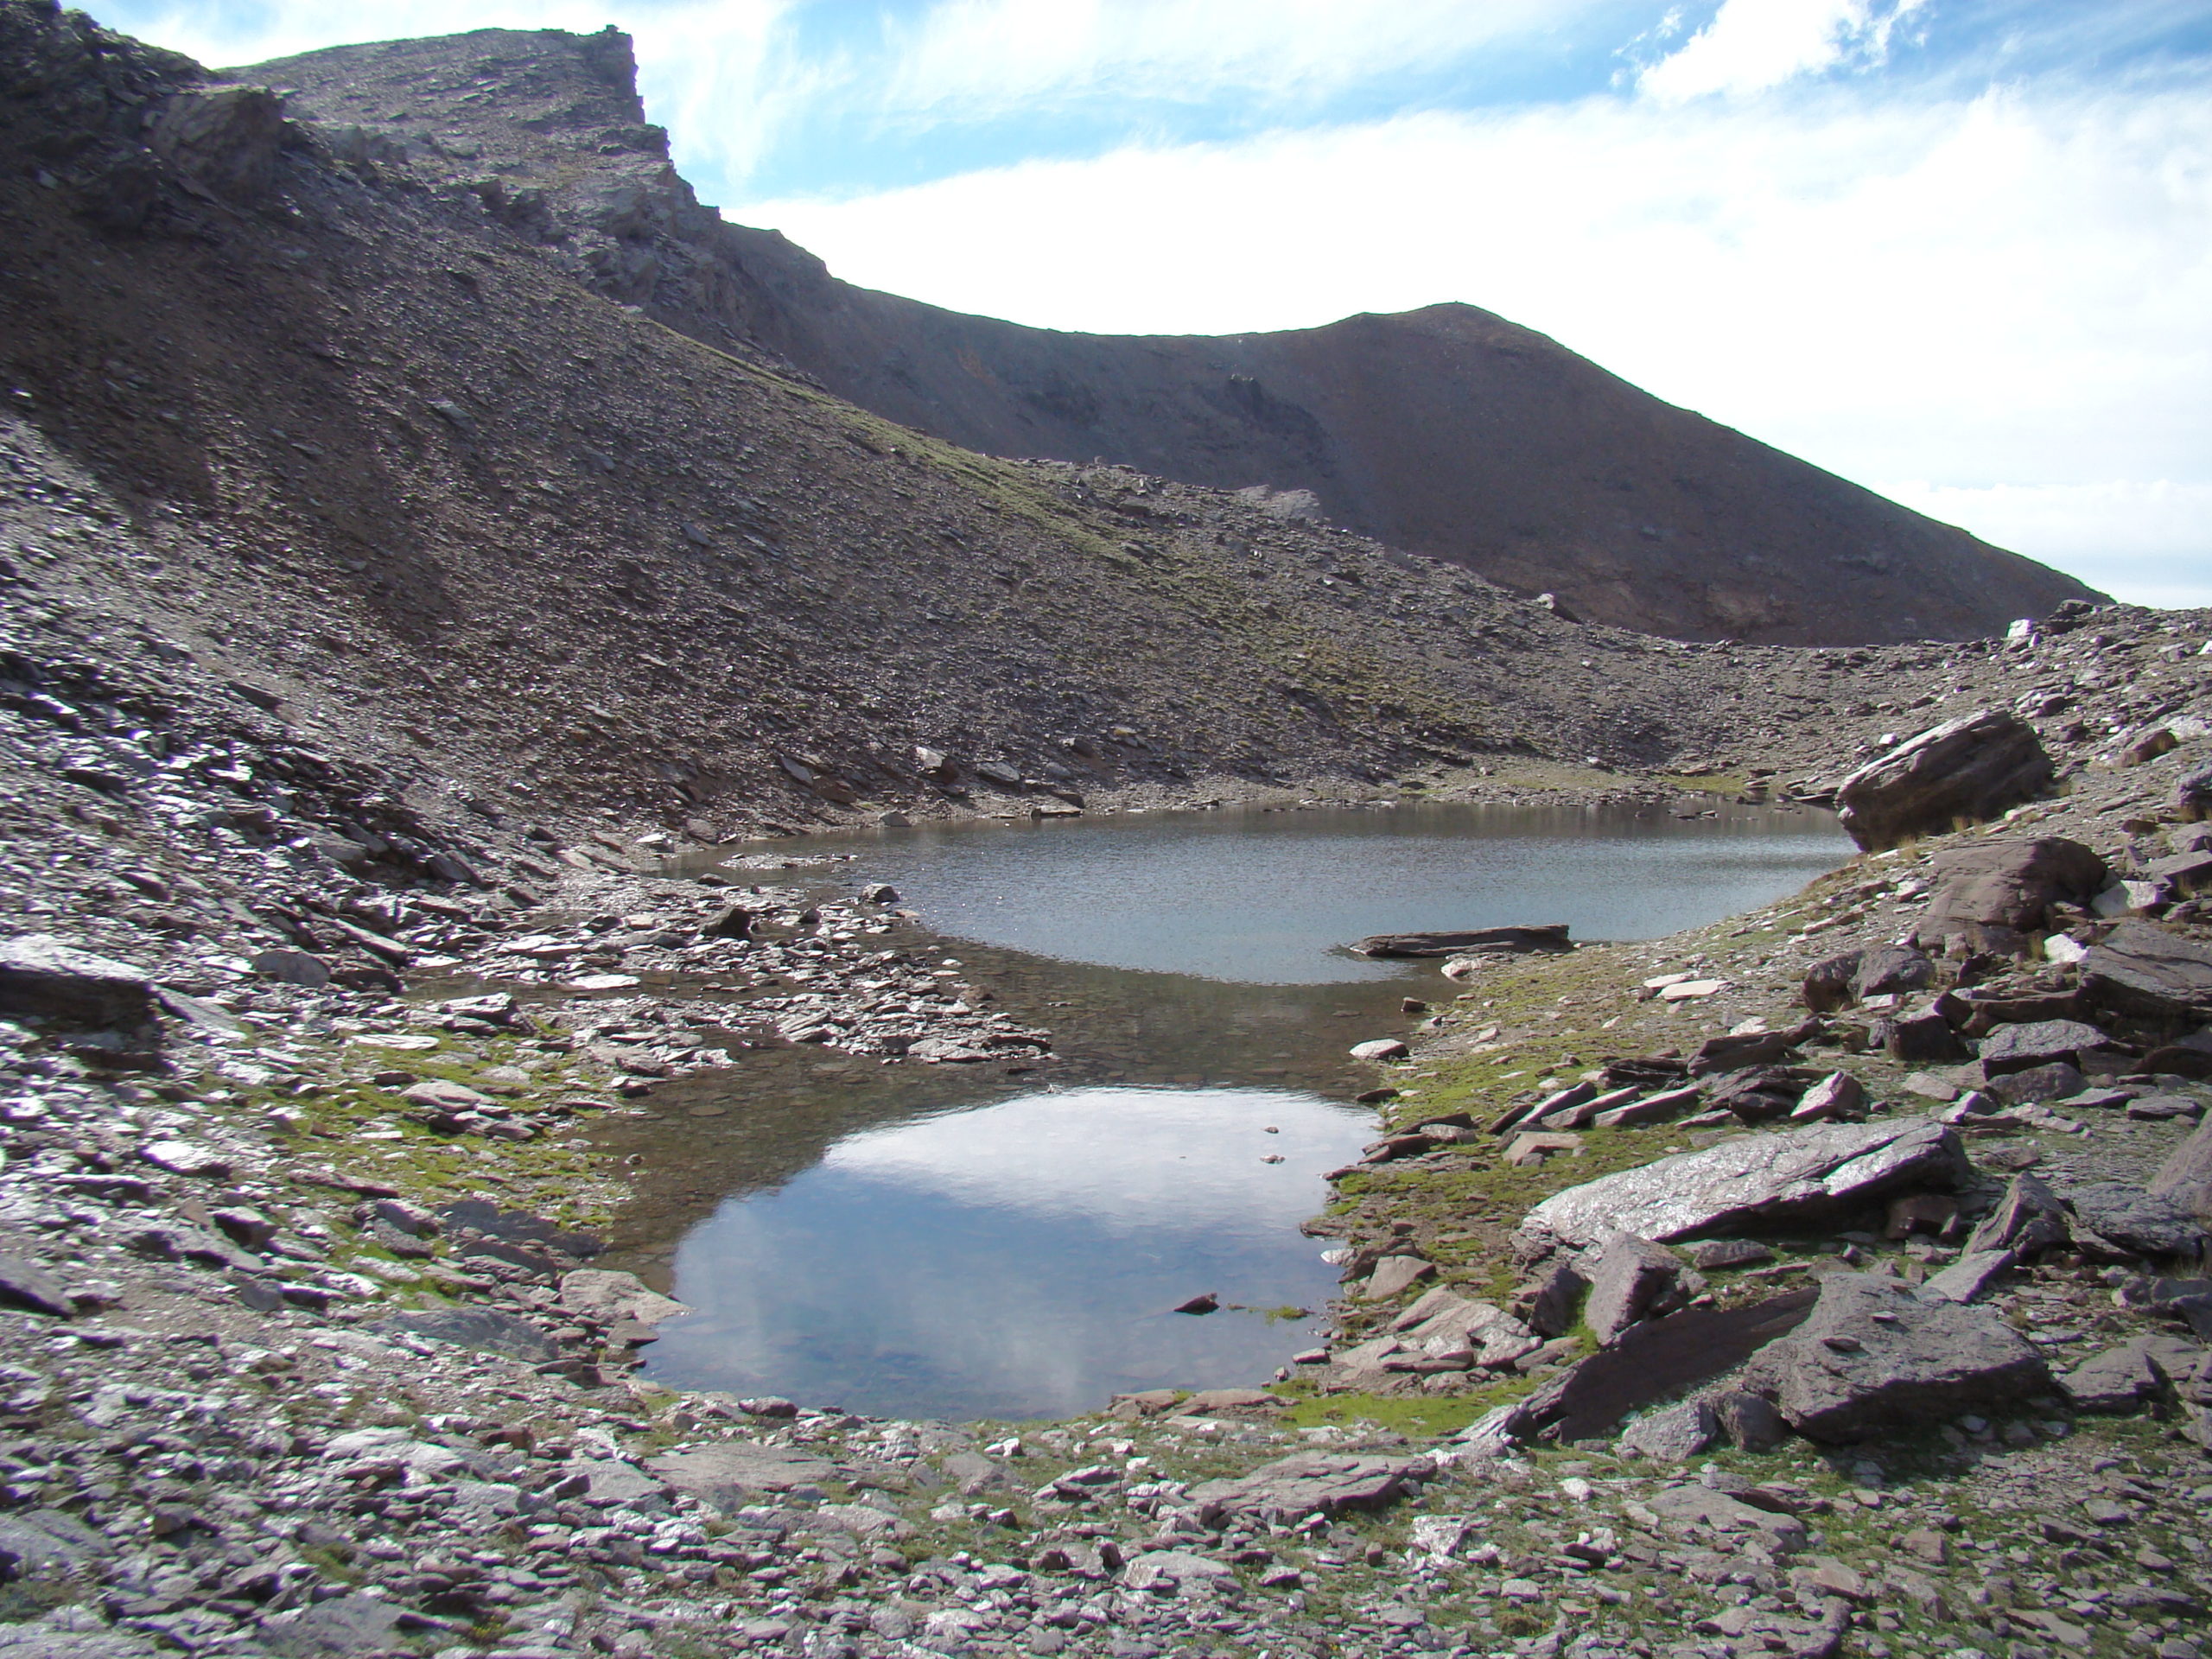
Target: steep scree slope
338 427
1446 431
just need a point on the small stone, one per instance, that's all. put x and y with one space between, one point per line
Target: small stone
1925 1544
1382 1048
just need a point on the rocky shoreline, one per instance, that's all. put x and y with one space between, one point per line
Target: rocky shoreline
311 1355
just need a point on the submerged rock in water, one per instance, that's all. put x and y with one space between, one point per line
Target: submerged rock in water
1477 942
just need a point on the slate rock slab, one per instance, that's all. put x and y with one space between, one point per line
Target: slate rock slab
40 975
1871 1357
2140 967
73 1633
1700 1506
2149 1223
1309 1483
2132 1375
2015 1048
735 1473
1630 1277
26 1284
344 1624
1796 1177
1970 768
598 1293
478 1328
1657 1361
1484 941
1673 1435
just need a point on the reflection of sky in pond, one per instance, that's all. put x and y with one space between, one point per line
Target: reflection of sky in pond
1020 1259
1266 896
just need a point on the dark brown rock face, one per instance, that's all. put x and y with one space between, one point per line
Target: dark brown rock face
1447 431
1993 893
1965 770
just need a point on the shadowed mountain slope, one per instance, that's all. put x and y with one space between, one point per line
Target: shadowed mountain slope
1447 430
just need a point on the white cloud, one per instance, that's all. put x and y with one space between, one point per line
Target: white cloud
1129 1159
2146 544
1752 44
2014 289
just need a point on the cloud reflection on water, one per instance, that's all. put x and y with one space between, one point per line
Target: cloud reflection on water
1020 1259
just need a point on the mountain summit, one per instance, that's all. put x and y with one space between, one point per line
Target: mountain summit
1447 431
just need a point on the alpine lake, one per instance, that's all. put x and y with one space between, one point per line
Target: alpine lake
1012 1239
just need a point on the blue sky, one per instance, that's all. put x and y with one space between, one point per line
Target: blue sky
1960 250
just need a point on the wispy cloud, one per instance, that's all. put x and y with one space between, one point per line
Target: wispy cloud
969 57
1752 44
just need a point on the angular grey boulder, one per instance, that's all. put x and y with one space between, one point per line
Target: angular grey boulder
40 975
1798 1177
1674 1435
1632 1277
1965 770
2147 1224
734 1473
2132 1375
1872 1357
2140 967
2015 1048
2186 1176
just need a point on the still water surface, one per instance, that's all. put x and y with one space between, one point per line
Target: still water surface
1020 1259
1268 896
1003 1241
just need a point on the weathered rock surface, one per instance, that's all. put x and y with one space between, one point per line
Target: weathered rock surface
2140 967
2186 1176
2134 1374
1630 1277
1963 771
1871 1357
1794 1177
40 974
1992 893
2146 1222
1309 1483
598 1294
735 1472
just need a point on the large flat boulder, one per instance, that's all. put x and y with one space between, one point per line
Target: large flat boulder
1308 1483
1871 1357
737 1472
1793 1178
2140 967
1964 771
40 975
1477 942
2145 1223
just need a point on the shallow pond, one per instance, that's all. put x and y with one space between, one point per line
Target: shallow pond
1020 1259
1009 1240
1269 897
